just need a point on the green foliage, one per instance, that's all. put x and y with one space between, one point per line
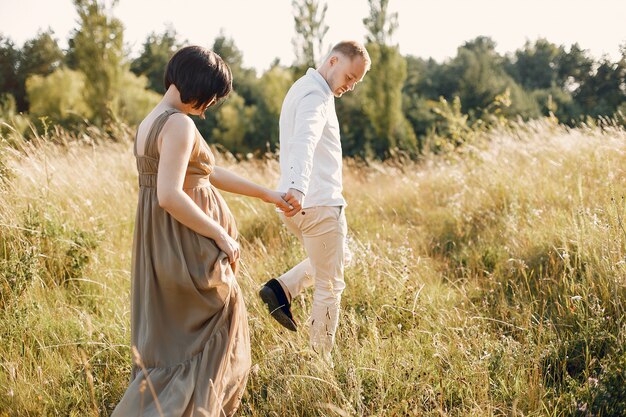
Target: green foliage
535 65
354 125
452 128
39 56
235 123
382 100
247 121
9 63
233 127
574 66
550 77
540 79
478 69
133 100
271 88
418 95
557 102
531 105
603 92
244 79
156 53
97 50
8 106
396 110
11 123
59 96
225 47
380 25
309 24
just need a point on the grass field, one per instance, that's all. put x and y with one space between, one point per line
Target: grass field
486 282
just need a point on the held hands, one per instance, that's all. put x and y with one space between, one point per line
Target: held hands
294 199
277 198
290 203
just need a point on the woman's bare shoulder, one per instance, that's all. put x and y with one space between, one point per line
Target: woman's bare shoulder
179 128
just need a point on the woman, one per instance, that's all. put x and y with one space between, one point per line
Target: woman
189 327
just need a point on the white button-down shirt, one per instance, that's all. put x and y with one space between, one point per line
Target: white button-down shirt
310 147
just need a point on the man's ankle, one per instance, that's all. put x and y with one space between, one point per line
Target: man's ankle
286 291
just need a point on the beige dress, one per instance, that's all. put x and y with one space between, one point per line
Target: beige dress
189 321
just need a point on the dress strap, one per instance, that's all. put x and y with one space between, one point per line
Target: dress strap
151 148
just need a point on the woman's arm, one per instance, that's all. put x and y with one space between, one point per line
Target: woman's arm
233 183
178 138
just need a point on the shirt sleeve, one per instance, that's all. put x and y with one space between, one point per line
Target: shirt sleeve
309 124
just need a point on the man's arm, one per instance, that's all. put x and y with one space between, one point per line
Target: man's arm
309 123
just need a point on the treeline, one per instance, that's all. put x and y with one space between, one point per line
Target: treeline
406 104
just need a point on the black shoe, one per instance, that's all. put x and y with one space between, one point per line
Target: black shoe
275 298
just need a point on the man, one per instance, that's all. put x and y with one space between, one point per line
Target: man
310 165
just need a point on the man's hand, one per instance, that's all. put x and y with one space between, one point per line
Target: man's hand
294 199
278 199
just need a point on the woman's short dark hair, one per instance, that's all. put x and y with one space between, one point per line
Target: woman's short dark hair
199 74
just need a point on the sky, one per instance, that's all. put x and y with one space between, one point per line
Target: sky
263 29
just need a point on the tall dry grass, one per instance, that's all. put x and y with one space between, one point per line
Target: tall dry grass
486 282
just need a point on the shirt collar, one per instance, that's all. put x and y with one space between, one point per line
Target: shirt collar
312 72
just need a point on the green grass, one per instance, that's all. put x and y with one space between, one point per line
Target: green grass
486 282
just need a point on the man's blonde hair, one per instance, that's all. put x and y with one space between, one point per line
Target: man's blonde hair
352 49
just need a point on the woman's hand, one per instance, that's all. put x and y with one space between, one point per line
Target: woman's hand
229 246
294 199
277 198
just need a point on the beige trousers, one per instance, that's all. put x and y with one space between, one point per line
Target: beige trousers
322 230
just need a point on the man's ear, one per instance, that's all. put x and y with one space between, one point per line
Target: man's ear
333 60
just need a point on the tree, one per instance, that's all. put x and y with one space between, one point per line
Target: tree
550 75
40 56
477 68
233 124
239 107
356 130
58 96
272 88
244 79
245 127
225 47
309 20
605 90
97 50
156 53
421 89
383 85
574 66
536 66
477 75
133 100
9 62
380 24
